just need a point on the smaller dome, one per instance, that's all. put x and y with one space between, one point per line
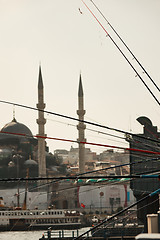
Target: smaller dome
54 168
30 162
5 152
11 164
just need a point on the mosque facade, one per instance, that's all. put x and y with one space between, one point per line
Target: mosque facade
20 151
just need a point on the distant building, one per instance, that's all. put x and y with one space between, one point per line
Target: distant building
110 155
114 159
106 198
71 157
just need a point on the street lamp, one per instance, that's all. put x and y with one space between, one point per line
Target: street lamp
101 194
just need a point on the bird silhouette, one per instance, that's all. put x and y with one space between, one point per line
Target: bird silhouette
80 10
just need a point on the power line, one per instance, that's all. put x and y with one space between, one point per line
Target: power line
108 35
65 116
112 135
79 177
89 129
125 217
84 184
125 45
90 143
78 120
118 166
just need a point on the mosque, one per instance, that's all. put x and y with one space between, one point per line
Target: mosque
19 148
16 151
21 151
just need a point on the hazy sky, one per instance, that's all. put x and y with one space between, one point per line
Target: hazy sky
66 42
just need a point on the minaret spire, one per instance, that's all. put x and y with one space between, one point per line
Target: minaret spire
40 80
41 121
81 128
14 113
80 91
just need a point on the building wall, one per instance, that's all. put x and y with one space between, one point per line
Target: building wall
105 198
34 199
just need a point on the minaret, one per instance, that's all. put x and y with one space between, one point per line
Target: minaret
41 122
81 128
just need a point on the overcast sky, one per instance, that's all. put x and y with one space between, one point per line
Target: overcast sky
67 41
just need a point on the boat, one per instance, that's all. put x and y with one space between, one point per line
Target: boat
22 220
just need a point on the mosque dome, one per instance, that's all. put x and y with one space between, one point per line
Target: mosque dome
5 152
30 162
15 127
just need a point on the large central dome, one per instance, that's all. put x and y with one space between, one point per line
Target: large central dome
15 127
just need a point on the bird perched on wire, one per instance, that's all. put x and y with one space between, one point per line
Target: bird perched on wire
80 10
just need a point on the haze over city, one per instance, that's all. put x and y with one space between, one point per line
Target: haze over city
64 38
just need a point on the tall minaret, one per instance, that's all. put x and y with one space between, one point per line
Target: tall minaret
81 128
41 122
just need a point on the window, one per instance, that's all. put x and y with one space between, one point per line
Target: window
118 200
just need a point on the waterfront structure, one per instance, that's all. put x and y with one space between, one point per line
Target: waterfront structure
81 128
148 141
104 196
41 121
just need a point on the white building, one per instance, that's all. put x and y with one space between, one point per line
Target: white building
105 197
34 199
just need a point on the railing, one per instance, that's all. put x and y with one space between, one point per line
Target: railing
61 234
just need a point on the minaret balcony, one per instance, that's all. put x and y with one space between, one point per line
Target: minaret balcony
41 121
81 141
41 106
81 126
81 112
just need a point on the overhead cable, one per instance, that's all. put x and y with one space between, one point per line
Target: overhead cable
112 135
134 57
79 177
108 35
79 120
84 142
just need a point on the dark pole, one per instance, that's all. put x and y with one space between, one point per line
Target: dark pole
17 158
